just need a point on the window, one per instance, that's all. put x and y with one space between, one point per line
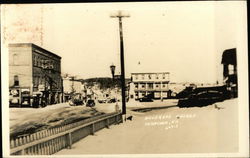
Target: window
35 81
52 65
35 61
157 77
16 80
143 86
149 77
55 66
150 86
163 76
136 85
38 61
142 77
136 94
15 59
39 80
230 69
136 76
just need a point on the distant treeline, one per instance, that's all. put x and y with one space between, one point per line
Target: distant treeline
104 82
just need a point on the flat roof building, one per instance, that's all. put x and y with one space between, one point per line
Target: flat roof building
153 85
34 69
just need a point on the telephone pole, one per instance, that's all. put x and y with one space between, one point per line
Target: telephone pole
119 15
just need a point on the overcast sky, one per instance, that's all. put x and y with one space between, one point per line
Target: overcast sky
184 38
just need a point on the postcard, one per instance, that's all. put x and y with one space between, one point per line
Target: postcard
132 79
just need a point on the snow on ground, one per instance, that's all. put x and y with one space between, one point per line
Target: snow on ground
199 130
29 120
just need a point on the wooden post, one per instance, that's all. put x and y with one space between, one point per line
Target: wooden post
12 144
93 129
107 123
116 119
69 140
22 152
28 138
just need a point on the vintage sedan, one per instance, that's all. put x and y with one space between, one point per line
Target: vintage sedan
201 99
146 99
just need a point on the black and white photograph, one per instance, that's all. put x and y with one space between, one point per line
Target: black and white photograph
133 79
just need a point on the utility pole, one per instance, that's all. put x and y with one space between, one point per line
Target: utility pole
120 16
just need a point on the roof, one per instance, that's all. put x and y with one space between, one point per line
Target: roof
34 46
229 57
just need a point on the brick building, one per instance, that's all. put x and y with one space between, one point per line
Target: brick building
153 85
33 69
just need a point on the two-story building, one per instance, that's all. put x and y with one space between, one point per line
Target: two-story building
153 85
34 69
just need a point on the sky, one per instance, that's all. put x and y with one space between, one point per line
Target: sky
186 39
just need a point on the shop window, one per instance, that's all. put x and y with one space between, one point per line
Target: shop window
16 80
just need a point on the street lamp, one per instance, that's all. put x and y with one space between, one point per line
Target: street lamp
112 68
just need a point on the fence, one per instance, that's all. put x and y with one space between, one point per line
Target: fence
50 141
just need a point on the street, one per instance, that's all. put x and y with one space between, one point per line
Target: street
171 130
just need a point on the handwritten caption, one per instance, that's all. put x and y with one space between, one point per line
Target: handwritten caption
168 121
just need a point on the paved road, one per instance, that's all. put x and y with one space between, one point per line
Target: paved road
172 130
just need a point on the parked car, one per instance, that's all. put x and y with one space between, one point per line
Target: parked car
145 99
76 99
113 100
102 100
201 99
90 103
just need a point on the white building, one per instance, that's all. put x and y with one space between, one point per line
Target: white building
72 86
153 85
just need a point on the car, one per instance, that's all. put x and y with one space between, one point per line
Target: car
90 103
146 99
102 100
113 100
201 99
76 99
